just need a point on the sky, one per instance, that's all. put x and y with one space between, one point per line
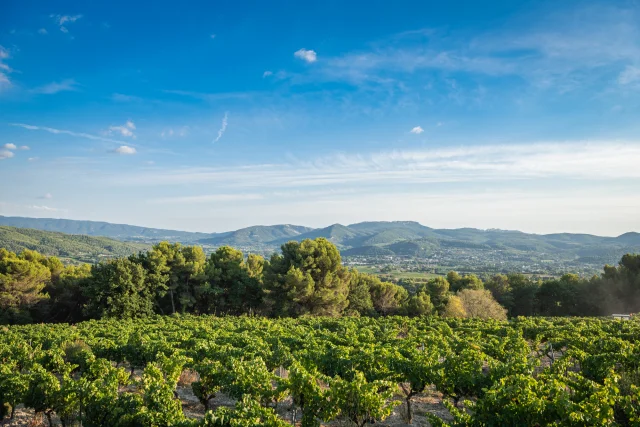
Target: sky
212 116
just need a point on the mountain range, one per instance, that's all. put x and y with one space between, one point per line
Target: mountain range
366 239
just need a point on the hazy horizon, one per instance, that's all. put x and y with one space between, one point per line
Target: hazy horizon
518 116
315 227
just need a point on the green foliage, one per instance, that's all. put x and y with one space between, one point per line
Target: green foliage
248 413
480 304
361 401
490 372
119 289
308 278
77 248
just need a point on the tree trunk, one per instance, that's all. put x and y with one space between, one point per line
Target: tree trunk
456 402
13 411
409 411
173 305
48 414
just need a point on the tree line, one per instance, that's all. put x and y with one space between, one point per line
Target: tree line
305 278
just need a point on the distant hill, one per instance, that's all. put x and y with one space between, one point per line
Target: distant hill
256 235
66 246
106 229
381 239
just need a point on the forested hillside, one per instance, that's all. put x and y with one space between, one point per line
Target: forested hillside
97 228
468 249
66 246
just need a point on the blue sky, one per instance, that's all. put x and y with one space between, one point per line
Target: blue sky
211 116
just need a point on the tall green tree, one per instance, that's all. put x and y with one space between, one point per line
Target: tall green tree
22 281
173 273
438 290
66 295
118 289
230 285
360 301
388 298
500 288
307 278
523 292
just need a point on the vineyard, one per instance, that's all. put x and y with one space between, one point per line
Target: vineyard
321 371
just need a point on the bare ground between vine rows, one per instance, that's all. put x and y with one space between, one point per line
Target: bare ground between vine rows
429 402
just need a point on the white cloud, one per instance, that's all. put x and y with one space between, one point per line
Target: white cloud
24 147
5 154
125 149
222 128
10 146
55 87
43 31
5 82
267 74
630 74
417 130
63 20
306 55
33 159
46 196
65 132
46 208
125 130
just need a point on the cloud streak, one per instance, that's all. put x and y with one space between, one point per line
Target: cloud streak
66 132
223 128
55 87
597 160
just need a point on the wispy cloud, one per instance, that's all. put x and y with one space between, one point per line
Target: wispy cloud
47 208
55 87
63 20
417 130
631 74
208 198
306 55
10 146
119 97
46 196
43 31
124 130
125 149
223 128
267 74
564 51
5 154
595 160
66 132
179 132
5 82
221 96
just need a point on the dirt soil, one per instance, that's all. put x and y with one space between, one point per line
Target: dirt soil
428 402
